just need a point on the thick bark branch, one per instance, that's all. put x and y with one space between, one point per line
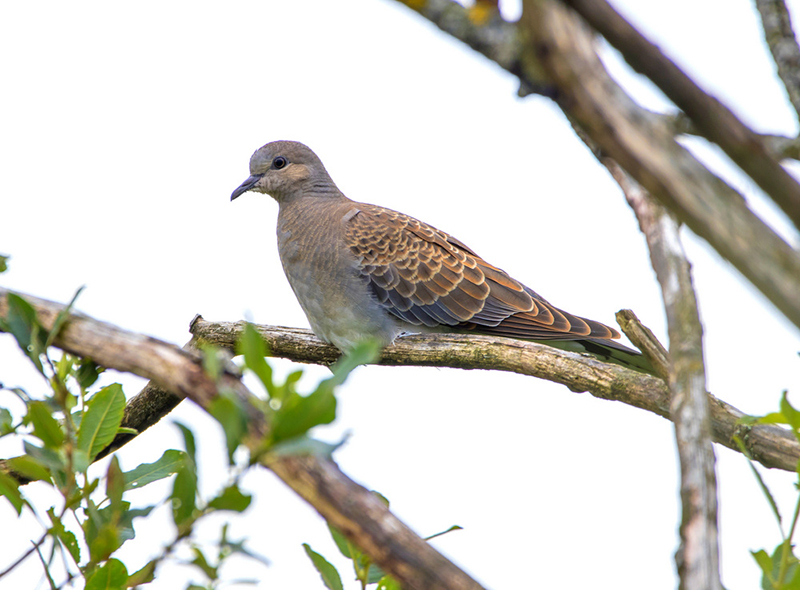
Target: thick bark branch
713 119
646 149
642 142
366 520
780 37
494 38
772 445
358 513
698 556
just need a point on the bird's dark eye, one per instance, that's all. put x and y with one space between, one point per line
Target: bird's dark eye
279 162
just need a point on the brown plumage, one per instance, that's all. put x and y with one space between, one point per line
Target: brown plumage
361 271
428 278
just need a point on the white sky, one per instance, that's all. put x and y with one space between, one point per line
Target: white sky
123 130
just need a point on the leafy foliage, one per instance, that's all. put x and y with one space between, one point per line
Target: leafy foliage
63 432
366 572
779 568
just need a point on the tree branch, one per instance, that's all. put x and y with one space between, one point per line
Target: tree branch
356 511
645 147
713 119
773 446
779 35
495 38
641 141
698 556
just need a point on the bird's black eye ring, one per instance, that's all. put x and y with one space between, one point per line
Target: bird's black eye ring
279 162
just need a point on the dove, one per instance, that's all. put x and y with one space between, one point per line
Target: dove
362 271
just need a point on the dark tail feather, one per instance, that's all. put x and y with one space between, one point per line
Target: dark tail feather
609 351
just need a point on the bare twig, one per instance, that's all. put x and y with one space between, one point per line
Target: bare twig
698 556
24 556
644 339
361 516
780 37
780 146
714 120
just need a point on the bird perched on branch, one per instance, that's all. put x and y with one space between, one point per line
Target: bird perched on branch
361 271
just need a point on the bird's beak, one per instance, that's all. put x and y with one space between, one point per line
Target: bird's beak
246 185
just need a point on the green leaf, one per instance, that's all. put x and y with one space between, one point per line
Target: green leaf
792 416
231 498
330 576
375 574
108 528
101 420
341 541
87 373
47 457
3 263
238 547
201 562
771 418
388 583
233 419
143 576
22 323
6 422
111 576
777 569
67 538
146 473
10 489
62 317
184 496
125 528
381 497
364 353
298 414
212 361
455 527
115 483
45 427
254 349
105 541
29 467
188 441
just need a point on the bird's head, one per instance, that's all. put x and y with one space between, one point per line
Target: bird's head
286 170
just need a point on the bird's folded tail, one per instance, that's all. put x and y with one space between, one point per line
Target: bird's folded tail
608 351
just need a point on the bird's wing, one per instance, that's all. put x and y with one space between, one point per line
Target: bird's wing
426 277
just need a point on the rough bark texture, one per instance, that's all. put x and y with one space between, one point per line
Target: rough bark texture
771 445
713 119
782 43
553 45
360 515
698 556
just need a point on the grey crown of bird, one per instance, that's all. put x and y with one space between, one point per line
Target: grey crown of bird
361 271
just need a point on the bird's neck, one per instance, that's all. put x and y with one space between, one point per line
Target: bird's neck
313 205
310 191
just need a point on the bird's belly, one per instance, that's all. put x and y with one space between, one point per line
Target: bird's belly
338 305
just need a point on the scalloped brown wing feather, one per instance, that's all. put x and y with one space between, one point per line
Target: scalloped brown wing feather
426 277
